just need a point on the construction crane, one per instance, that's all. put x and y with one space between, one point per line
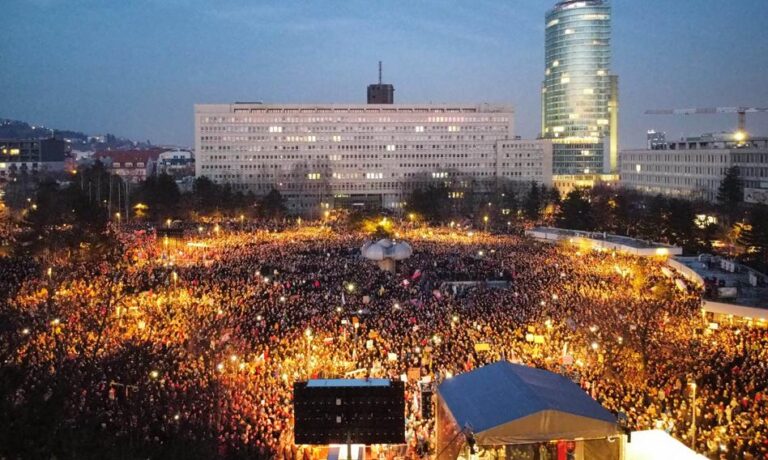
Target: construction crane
741 130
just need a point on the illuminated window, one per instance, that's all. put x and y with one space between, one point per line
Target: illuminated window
553 22
602 122
419 129
439 175
374 175
15 151
573 116
556 64
558 129
638 168
589 91
565 80
275 129
313 176
454 129
569 31
601 73
336 138
391 148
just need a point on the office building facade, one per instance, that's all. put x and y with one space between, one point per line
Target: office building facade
695 167
579 95
323 156
32 156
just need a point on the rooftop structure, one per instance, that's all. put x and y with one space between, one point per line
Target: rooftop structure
727 282
605 241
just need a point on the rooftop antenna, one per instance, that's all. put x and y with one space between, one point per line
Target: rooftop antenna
379 72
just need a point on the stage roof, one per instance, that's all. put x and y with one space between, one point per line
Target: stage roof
505 403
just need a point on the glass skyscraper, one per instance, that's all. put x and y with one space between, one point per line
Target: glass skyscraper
579 94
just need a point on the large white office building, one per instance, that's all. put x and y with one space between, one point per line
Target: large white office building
328 155
694 167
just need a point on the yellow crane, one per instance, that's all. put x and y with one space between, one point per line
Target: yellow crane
740 135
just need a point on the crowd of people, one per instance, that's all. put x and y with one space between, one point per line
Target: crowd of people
190 346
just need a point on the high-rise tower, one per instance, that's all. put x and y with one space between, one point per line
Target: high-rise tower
579 94
381 93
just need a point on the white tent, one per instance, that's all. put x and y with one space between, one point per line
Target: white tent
656 445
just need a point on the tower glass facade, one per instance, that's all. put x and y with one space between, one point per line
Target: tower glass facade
577 90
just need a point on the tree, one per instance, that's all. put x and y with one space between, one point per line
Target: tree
432 203
731 191
272 204
533 203
576 211
161 194
679 224
754 237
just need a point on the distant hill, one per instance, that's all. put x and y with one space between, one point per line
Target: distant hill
15 129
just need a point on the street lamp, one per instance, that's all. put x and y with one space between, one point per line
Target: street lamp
693 415
485 221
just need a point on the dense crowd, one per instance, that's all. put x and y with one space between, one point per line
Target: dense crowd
190 346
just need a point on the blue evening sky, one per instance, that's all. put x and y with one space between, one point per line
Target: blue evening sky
136 67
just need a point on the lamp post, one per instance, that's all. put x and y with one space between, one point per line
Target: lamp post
485 221
693 415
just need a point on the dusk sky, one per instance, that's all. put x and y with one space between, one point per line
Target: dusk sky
136 67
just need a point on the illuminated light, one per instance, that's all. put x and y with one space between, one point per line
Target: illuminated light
455 319
662 252
14 151
396 306
480 253
558 129
740 136
586 170
556 64
595 346
603 122
25 331
554 297
220 367
220 311
154 374
338 309
569 31
141 325
553 22
573 116
589 91
241 366
601 73
593 329
56 322
233 358
638 168
620 339
266 279
176 417
284 376
282 298
308 332
565 80
258 317
350 287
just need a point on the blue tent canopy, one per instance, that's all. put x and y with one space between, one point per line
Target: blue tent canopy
505 403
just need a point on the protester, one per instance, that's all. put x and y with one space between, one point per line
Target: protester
201 338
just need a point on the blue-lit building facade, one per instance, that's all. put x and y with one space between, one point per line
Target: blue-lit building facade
579 94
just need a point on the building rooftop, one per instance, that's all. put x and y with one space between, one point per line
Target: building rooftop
742 291
133 156
622 240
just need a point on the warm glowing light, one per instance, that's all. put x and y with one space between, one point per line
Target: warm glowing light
154 374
